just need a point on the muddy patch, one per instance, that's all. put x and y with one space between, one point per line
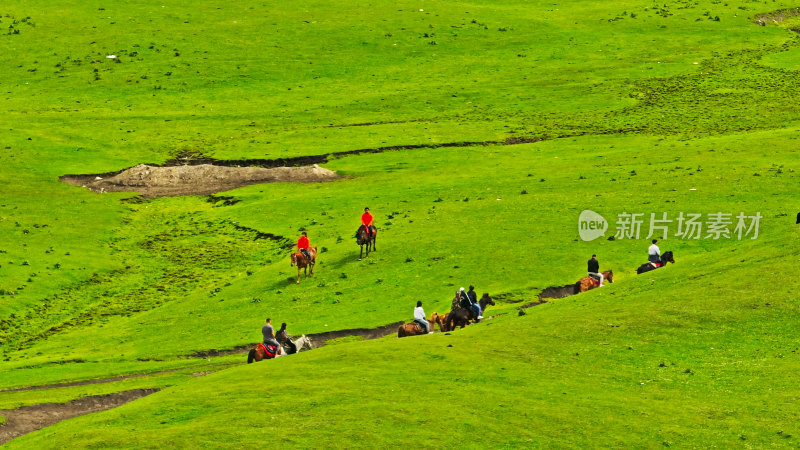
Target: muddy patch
200 179
27 419
193 173
560 291
775 17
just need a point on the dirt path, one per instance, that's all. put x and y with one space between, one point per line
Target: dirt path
27 419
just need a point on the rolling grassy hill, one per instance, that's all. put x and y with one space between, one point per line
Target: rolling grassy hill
485 130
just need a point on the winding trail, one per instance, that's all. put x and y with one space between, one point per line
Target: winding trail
27 419
31 418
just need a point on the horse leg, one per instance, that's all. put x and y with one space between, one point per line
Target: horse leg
298 274
361 253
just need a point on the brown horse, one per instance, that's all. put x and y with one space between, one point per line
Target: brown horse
302 263
586 283
258 353
443 322
460 317
414 329
364 237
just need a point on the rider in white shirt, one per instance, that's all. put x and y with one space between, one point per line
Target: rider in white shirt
654 253
419 317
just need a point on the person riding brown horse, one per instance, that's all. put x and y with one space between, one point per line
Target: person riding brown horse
415 329
589 282
300 260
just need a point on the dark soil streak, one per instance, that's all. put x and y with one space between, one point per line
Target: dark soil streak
283 242
27 419
559 291
296 161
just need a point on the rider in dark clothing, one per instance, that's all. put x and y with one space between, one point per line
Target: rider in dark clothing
284 339
473 300
468 301
593 267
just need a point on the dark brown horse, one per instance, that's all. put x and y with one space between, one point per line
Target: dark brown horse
588 282
665 258
364 237
414 329
299 259
461 317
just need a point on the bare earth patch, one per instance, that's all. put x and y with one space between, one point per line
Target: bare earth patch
31 418
203 179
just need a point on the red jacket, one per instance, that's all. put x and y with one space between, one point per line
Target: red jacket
302 243
366 219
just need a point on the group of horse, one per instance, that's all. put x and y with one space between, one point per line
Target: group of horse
588 282
363 238
259 351
457 317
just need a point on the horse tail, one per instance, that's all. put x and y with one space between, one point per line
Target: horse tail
251 356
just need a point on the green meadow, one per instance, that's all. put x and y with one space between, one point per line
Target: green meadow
476 133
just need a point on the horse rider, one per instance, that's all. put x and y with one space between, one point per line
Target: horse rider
467 303
303 245
594 270
473 300
419 317
269 334
456 301
654 253
367 222
284 339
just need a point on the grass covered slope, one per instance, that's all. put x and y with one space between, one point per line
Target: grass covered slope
490 128
682 356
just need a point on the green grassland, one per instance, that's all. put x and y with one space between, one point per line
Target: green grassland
486 129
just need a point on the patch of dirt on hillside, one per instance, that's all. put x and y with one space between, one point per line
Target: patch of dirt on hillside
27 419
776 16
202 179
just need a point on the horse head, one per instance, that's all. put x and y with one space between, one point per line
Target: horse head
608 275
303 343
667 257
362 236
294 259
486 300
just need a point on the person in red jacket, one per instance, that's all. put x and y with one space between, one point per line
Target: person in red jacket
302 245
366 221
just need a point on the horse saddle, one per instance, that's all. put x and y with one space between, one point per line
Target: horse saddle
270 350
